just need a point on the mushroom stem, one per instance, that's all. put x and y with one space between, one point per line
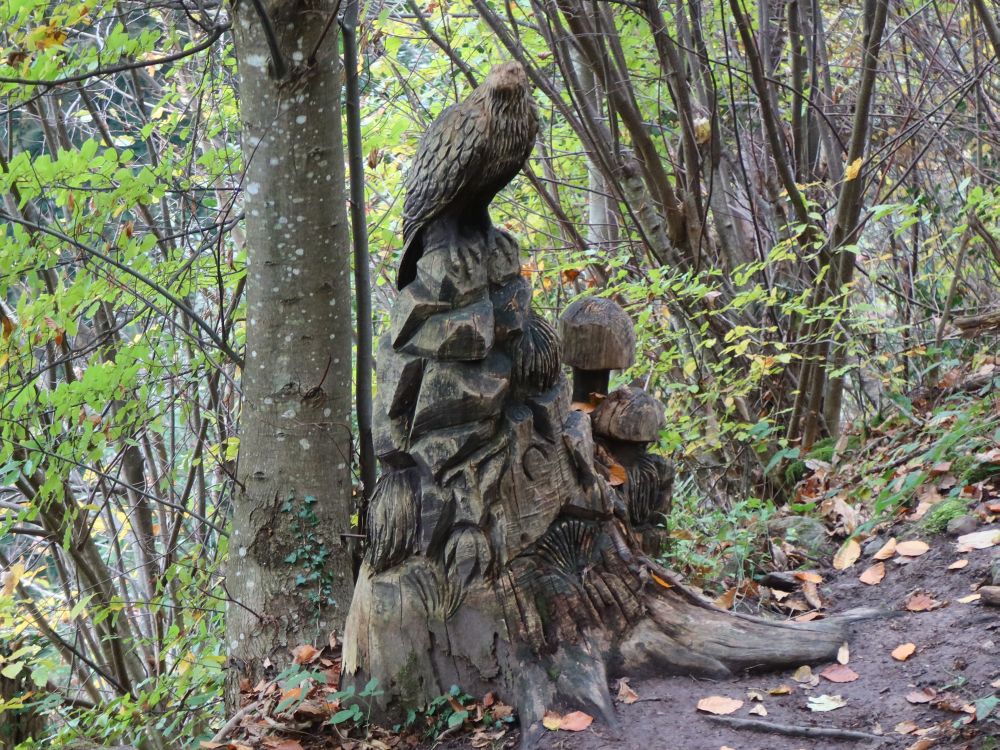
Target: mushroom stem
586 382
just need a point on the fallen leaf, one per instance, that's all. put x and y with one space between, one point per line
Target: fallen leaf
808 576
954 705
941 467
979 540
719 705
212 745
617 475
759 710
726 600
958 564
969 599
576 721
912 548
903 651
585 406
905 727
921 696
305 653
551 720
794 604
811 593
873 575
660 581
780 690
886 551
922 603
843 654
501 711
847 555
839 673
808 617
755 695
283 744
924 743
825 702
803 674
625 692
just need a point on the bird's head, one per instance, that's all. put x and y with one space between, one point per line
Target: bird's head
508 80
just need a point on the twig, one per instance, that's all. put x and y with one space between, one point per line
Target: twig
207 42
277 59
236 718
793 730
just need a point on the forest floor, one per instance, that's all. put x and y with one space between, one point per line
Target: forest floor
903 517
927 700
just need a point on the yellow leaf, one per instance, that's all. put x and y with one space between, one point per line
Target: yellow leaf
11 578
44 37
903 652
886 551
843 654
719 705
914 548
853 169
661 581
551 720
873 575
847 555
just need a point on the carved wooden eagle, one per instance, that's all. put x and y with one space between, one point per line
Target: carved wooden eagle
468 154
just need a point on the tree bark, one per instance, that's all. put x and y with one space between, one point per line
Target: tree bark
289 576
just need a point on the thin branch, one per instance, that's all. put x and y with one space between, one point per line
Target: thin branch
172 298
212 38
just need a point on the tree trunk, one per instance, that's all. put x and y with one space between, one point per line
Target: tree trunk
289 576
500 555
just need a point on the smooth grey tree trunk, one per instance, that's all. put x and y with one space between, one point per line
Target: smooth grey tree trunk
289 577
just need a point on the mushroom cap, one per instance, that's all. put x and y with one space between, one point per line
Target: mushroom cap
629 414
597 334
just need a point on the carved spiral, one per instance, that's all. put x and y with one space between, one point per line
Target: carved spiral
568 545
392 519
648 488
536 356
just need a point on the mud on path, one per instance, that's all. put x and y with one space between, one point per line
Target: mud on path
956 662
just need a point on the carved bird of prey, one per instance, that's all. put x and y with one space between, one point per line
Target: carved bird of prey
468 154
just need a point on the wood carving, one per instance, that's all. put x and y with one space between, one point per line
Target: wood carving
500 556
466 157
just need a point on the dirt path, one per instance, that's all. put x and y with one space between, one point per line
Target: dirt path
957 660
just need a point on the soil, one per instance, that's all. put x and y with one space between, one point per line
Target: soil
957 656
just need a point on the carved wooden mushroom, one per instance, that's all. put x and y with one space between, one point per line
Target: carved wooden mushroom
597 337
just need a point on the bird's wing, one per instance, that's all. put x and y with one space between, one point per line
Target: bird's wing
449 153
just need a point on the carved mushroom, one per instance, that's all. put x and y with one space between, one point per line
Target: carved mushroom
629 414
597 337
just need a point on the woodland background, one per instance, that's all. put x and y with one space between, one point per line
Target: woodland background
796 200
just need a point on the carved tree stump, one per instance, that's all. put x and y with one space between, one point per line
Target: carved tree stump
499 557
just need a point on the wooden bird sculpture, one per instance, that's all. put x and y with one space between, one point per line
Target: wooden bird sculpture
468 154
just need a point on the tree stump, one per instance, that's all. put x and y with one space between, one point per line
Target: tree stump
500 557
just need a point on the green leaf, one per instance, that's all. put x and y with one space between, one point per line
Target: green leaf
79 607
345 714
985 706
